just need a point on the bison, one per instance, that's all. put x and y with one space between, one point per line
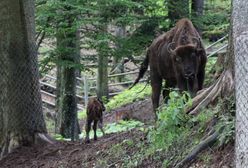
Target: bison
178 57
94 111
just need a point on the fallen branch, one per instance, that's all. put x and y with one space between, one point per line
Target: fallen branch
209 141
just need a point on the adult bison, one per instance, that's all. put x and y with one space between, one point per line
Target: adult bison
177 56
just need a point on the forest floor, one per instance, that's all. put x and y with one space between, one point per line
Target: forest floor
112 150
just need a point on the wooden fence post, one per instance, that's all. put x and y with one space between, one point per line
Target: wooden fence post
86 91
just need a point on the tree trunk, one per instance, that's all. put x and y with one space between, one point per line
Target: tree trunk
102 71
102 76
197 7
118 63
240 39
177 9
66 83
21 117
78 56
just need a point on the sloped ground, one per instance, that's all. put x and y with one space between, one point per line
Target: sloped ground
67 154
103 153
113 150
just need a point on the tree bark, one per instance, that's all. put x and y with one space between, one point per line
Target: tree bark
240 39
21 117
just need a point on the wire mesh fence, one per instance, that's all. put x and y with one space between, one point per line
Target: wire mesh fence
20 105
241 83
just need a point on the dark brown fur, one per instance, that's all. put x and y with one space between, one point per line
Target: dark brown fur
94 111
177 56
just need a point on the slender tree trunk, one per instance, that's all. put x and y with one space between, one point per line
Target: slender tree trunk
66 83
102 71
197 7
78 56
240 39
102 75
177 9
118 63
21 117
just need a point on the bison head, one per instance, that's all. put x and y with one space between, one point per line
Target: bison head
186 60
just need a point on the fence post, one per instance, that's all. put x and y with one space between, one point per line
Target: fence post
86 91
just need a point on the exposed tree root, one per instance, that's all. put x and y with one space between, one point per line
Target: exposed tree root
223 86
43 138
209 141
12 142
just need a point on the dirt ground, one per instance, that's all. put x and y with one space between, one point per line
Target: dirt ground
66 154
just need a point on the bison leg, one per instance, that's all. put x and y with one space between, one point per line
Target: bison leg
100 125
166 91
200 77
156 91
87 130
94 128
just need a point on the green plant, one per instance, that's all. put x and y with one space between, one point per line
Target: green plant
226 124
129 96
115 127
171 121
122 126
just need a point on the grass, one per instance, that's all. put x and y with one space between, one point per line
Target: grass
115 127
129 96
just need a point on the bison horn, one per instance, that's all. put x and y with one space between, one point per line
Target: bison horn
196 41
170 47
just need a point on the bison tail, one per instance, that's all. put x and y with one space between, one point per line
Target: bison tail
143 69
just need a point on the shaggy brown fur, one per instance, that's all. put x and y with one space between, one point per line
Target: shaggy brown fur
94 111
177 56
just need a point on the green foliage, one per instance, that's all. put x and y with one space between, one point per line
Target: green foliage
215 21
208 70
122 126
129 96
226 124
227 127
171 121
115 127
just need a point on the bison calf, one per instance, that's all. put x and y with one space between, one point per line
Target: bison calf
95 108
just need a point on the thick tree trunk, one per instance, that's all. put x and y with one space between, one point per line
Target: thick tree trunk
240 39
177 9
21 117
66 83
